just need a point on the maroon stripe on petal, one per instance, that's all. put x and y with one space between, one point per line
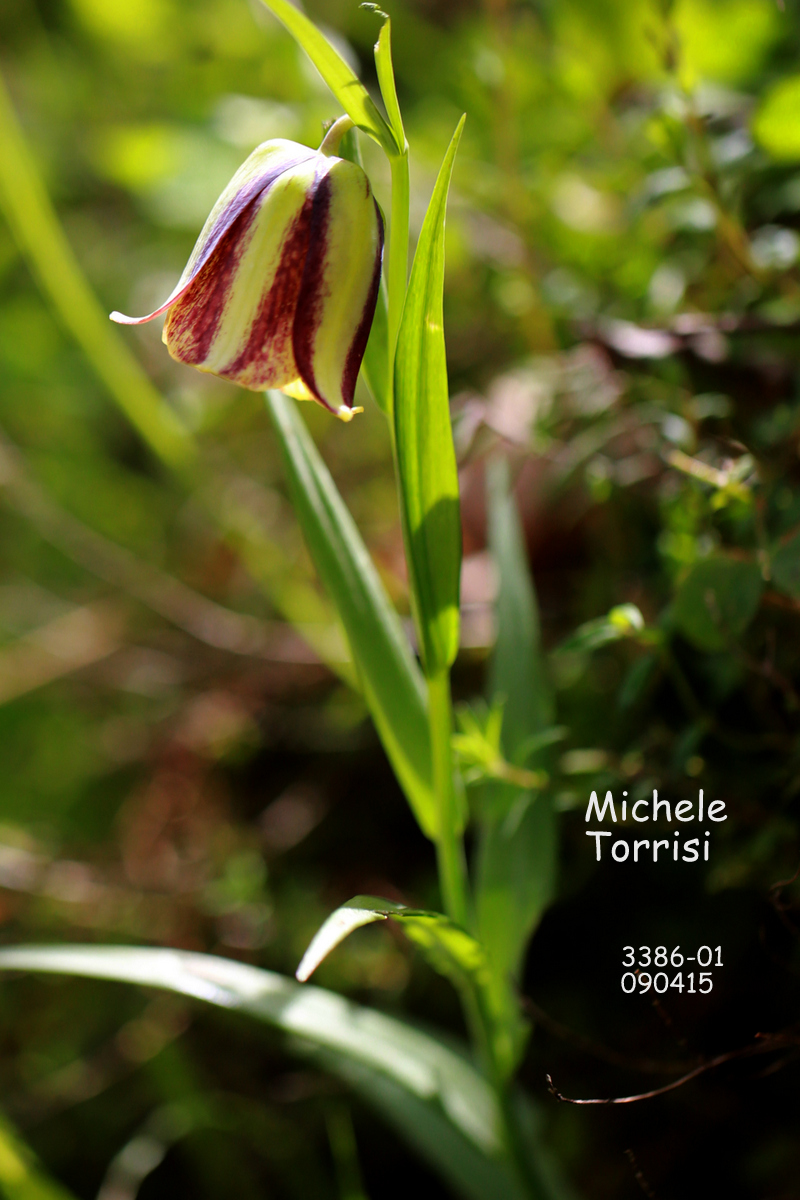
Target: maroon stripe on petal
243 198
193 322
313 292
359 343
272 328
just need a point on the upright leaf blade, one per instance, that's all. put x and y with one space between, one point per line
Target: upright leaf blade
418 1083
517 847
345 85
516 671
425 452
391 680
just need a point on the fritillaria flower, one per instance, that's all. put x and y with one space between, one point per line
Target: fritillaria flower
280 289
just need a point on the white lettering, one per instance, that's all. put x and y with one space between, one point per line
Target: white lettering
597 835
601 814
657 804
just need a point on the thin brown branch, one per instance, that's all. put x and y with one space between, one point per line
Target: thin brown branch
767 1044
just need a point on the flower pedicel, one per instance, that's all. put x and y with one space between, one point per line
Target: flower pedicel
280 289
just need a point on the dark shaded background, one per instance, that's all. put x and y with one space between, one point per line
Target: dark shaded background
624 164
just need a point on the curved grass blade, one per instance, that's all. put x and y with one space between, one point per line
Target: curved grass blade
421 1086
346 87
425 453
449 949
385 69
390 678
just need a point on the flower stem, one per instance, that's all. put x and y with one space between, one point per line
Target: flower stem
330 143
397 268
449 845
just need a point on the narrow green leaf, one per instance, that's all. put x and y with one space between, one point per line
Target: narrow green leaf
391 681
517 846
515 881
21 1177
345 85
473 1174
344 1151
385 68
449 949
416 1081
425 453
517 672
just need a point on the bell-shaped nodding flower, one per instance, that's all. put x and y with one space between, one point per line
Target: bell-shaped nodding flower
280 289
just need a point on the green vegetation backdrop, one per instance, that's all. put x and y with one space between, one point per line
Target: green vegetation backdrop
179 766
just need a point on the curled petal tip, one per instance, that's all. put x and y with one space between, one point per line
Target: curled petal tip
346 414
121 319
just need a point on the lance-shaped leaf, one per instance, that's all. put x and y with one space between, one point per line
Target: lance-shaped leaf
449 949
391 680
517 844
385 69
427 1091
425 452
346 87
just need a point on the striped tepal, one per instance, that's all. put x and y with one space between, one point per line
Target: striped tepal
280 289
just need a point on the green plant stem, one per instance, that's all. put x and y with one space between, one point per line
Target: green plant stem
449 844
397 267
517 1142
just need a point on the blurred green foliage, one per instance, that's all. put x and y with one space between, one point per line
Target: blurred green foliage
622 308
